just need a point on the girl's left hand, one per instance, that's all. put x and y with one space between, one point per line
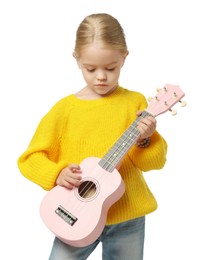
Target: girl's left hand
146 126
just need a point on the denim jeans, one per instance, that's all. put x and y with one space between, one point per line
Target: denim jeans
124 241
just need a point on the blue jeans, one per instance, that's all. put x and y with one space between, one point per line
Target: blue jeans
124 241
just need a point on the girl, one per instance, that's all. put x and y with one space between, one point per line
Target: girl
87 124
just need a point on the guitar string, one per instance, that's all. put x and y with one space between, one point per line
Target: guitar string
78 206
128 140
120 150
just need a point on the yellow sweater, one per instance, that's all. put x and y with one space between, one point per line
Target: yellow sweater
75 129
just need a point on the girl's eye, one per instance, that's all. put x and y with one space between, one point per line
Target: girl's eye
90 70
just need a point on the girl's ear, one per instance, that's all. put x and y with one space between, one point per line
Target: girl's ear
127 53
77 60
125 56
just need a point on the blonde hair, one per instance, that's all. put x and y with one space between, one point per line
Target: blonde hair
102 28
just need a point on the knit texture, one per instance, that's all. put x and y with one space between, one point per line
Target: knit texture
75 129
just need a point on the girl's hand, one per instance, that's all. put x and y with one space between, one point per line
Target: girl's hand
69 176
146 126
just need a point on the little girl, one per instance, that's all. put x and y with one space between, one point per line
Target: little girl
87 124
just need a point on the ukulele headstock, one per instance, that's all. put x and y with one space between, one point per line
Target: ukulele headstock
165 99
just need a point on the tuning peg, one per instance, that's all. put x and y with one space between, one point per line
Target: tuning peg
149 98
183 103
173 112
164 89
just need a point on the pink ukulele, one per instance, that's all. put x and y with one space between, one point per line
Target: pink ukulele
78 216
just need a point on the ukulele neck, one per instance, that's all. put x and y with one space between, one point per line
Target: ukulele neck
117 152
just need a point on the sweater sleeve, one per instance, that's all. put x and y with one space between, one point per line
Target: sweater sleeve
152 157
40 162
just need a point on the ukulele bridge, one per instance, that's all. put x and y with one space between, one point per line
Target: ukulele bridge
66 215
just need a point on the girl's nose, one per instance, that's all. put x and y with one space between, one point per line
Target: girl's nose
101 76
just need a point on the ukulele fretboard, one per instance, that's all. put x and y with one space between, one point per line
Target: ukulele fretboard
122 146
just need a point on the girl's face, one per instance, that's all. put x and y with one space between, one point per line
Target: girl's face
101 68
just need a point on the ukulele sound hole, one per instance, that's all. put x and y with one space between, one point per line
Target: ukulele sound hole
87 189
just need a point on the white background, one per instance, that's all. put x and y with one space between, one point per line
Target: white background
166 44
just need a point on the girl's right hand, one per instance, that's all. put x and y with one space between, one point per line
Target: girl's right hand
69 176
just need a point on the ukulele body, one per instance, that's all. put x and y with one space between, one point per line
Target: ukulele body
78 216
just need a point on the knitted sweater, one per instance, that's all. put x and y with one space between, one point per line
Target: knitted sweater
75 129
